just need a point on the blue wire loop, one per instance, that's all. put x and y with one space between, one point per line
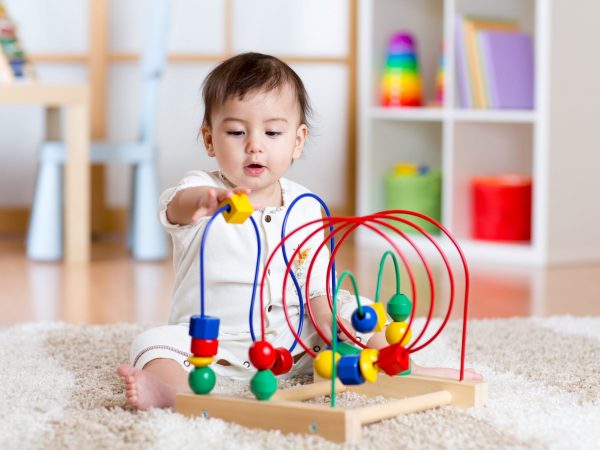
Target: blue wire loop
202 245
286 260
227 208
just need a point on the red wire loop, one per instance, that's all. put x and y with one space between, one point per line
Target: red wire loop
350 224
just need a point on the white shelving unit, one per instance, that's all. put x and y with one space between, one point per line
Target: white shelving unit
557 142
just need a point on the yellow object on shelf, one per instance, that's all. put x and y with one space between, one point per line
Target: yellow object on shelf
406 169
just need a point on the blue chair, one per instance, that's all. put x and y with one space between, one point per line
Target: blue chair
146 239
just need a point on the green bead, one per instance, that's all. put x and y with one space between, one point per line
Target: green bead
202 380
263 384
344 348
399 307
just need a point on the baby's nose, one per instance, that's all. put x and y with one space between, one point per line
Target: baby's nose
254 145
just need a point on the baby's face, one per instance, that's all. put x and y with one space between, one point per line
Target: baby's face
255 139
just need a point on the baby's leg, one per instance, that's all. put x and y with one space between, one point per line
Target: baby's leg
156 371
155 385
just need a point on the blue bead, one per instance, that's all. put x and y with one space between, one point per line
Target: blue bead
367 322
204 327
348 370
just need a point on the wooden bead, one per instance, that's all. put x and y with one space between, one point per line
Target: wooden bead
399 307
262 355
348 369
323 363
381 316
263 385
283 361
393 359
202 380
367 362
394 332
240 208
343 348
201 361
205 347
204 327
366 322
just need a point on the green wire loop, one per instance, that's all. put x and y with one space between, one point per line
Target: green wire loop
380 273
344 274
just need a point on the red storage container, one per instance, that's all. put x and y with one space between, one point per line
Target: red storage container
502 208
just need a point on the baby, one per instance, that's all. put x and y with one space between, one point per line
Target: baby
255 125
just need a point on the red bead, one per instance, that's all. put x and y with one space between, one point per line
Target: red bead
283 361
393 359
262 355
205 347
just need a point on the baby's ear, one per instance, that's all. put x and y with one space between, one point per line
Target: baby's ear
301 134
208 141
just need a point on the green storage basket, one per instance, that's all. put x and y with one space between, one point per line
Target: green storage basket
419 193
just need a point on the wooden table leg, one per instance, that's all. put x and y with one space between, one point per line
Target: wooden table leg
77 183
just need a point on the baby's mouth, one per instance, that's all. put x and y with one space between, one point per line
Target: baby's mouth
254 169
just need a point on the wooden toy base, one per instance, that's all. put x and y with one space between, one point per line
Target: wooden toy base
287 412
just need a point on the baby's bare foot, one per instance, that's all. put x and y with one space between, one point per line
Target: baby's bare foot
442 372
144 390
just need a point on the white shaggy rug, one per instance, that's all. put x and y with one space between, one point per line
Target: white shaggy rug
58 390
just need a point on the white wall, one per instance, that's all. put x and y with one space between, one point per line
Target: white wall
290 27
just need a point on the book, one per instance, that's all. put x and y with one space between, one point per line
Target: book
509 68
471 27
462 70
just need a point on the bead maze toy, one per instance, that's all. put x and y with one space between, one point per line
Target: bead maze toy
341 366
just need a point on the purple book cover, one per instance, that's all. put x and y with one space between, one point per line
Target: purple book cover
508 68
462 72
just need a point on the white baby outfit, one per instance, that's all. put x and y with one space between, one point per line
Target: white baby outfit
229 264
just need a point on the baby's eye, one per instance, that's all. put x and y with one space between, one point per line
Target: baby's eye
235 133
273 133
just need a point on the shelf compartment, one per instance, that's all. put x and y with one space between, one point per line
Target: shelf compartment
418 142
482 149
424 20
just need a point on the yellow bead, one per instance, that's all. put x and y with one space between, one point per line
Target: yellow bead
394 332
381 316
240 210
368 368
201 361
322 363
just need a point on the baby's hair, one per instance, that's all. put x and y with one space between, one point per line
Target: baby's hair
247 72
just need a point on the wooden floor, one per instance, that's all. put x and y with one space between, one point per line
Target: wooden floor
114 288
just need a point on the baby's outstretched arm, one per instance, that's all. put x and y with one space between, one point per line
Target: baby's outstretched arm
191 204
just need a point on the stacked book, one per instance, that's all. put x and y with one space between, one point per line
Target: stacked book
13 63
494 64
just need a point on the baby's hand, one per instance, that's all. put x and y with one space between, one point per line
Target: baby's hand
326 328
210 199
